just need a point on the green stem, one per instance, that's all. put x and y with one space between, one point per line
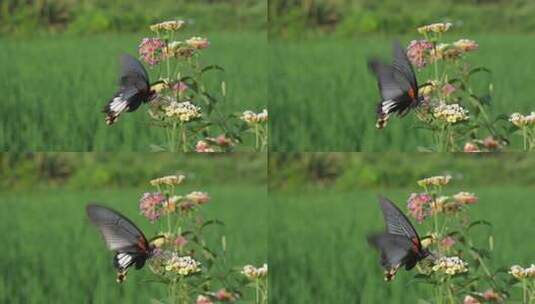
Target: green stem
257 136
184 139
257 287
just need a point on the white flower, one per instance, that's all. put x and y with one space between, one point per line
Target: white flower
198 43
520 120
435 27
450 265
254 118
184 111
167 25
183 265
168 180
450 113
253 273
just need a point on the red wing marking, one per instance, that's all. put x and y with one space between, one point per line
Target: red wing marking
141 245
411 94
416 245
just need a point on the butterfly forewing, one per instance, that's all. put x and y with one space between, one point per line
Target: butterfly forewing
133 73
117 230
403 65
396 222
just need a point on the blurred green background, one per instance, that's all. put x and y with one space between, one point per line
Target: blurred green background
326 204
351 18
52 254
322 95
60 67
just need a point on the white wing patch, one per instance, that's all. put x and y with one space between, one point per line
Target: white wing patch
387 106
118 104
124 260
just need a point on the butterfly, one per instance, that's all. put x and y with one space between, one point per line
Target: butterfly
134 89
400 244
123 237
397 84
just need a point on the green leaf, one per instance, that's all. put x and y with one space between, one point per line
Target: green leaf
212 222
479 222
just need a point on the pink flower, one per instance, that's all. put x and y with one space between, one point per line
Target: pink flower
203 147
471 147
198 43
198 198
181 241
470 300
417 50
491 295
150 205
447 242
416 204
222 140
151 50
224 295
465 198
490 143
466 45
180 87
448 89
203 300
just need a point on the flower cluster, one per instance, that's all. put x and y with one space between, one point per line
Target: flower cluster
416 204
151 204
519 273
183 265
450 113
450 265
151 50
184 111
465 198
173 25
520 120
198 43
417 52
254 118
440 27
170 180
253 273
466 45
210 144
488 144
198 197
440 180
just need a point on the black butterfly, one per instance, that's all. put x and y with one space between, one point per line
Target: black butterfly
123 237
134 89
397 85
400 245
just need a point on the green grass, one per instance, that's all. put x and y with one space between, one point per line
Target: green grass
53 89
319 253
323 98
51 253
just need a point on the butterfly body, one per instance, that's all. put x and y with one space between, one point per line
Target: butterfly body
121 236
397 85
400 244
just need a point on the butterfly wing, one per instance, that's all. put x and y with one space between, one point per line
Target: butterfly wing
393 248
404 67
122 236
134 89
397 223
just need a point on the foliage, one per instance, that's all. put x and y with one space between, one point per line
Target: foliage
24 17
309 18
20 171
347 171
